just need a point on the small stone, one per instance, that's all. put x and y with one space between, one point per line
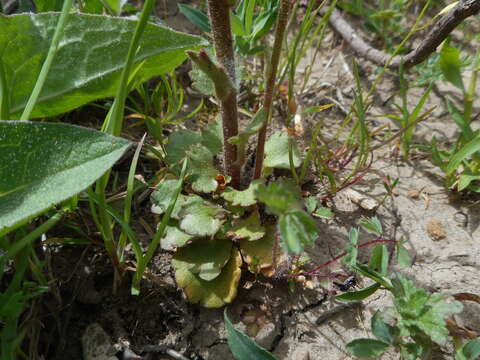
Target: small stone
436 230
96 344
413 194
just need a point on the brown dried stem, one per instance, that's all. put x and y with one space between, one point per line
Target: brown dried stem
219 13
270 80
433 39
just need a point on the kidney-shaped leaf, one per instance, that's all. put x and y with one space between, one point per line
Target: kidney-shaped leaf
89 59
42 164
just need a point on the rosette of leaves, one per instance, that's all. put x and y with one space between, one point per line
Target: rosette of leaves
212 230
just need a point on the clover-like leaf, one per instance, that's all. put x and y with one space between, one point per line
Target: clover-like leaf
249 228
217 292
297 229
259 255
174 237
202 172
276 152
178 143
201 218
242 198
205 257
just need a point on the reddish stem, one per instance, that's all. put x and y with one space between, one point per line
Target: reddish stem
314 271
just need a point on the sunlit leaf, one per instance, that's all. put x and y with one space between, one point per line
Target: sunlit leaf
259 255
201 171
201 218
242 198
367 348
42 164
276 152
249 228
297 230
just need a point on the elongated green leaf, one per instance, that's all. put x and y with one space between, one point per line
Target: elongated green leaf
358 295
89 61
469 149
367 348
242 347
42 164
197 18
451 65
381 329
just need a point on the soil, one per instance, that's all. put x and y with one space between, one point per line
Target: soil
441 229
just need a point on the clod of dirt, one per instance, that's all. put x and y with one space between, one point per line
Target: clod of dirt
97 344
435 230
413 194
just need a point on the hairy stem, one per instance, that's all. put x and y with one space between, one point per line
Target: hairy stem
219 13
270 79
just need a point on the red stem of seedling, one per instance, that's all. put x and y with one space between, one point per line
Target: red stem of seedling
313 272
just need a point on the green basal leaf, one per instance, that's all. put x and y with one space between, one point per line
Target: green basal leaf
217 292
372 225
280 196
359 294
237 26
205 258
276 152
202 173
375 276
174 237
250 228
178 144
42 164
241 346
259 255
81 72
297 230
464 180
242 198
367 348
382 330
201 218
464 153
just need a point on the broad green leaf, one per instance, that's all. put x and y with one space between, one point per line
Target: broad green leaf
201 218
451 65
48 5
372 225
163 194
464 180
382 330
464 153
276 152
89 61
204 258
259 255
216 293
42 164
367 348
297 229
196 17
201 172
359 294
280 196
243 347
249 228
178 143
245 197
174 237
